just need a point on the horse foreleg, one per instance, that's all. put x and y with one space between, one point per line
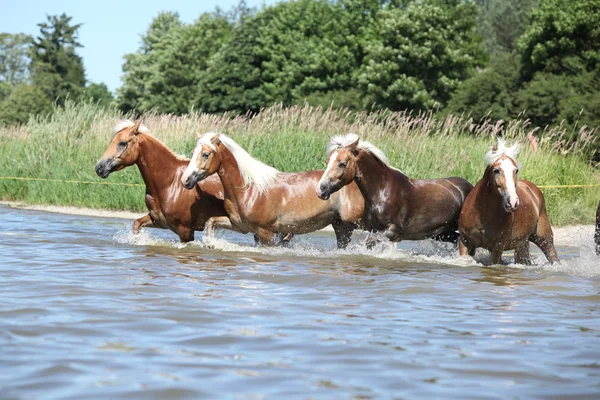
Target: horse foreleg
544 238
284 241
522 254
217 222
463 250
185 234
371 240
141 223
343 233
265 237
496 255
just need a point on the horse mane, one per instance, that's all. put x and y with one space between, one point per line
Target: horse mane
501 149
253 172
340 141
126 123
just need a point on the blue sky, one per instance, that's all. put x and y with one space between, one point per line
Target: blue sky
111 28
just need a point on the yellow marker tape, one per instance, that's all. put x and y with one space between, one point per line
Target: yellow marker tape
15 178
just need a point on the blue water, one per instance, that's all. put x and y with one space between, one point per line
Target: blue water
88 310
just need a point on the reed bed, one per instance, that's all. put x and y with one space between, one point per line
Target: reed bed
66 145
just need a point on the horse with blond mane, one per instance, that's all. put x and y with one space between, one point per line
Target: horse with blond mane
401 207
504 212
171 207
260 199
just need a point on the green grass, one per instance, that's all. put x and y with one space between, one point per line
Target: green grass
67 144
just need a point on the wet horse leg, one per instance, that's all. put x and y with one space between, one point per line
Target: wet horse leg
463 250
141 223
217 222
544 238
343 233
185 234
496 255
265 237
284 241
522 254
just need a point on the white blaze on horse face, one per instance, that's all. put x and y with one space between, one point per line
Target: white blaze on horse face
509 193
332 160
192 165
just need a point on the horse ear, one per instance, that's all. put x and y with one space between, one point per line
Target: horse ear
495 147
216 140
136 127
354 145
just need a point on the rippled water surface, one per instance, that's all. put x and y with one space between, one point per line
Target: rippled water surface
89 311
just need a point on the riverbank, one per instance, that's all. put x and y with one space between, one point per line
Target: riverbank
60 152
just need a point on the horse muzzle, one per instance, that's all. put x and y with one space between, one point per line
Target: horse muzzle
104 168
323 191
509 207
190 181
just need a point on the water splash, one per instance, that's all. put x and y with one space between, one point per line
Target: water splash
574 244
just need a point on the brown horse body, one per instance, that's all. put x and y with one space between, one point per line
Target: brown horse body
498 218
171 206
402 208
286 205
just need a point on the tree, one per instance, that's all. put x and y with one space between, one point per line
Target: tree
55 66
422 54
140 67
282 54
489 93
24 101
180 60
14 58
99 93
501 22
563 38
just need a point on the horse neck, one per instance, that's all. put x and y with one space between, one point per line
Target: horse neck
373 175
157 164
231 177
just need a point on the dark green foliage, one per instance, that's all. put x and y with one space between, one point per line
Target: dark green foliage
282 54
55 66
23 101
501 22
563 38
488 94
423 53
14 58
99 93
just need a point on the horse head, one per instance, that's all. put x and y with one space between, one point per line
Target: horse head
205 160
341 165
502 173
123 149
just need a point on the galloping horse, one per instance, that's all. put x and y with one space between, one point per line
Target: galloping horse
503 212
401 207
171 207
260 199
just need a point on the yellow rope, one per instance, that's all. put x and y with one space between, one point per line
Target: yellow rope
15 178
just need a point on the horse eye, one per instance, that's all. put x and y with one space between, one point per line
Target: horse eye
122 144
342 165
496 171
205 155
516 171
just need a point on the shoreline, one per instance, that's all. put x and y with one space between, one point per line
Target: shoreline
561 233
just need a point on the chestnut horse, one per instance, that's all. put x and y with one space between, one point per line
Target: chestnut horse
171 207
401 207
260 199
504 212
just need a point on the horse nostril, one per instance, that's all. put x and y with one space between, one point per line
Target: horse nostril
99 169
